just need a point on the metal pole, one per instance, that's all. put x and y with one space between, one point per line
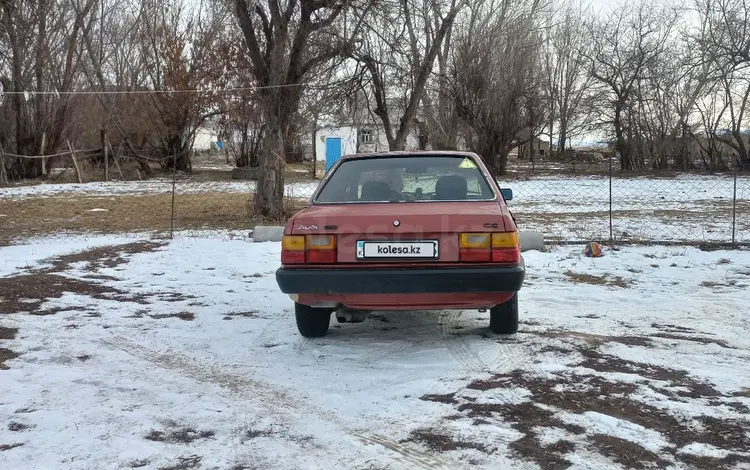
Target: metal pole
734 211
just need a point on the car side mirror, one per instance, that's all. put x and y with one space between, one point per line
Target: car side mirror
507 194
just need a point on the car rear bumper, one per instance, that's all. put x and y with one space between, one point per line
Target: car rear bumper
401 281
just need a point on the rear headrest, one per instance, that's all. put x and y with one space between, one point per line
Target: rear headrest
375 191
451 188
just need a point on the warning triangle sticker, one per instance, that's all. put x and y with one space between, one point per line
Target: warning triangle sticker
467 163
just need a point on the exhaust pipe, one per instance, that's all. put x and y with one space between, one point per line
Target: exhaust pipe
346 315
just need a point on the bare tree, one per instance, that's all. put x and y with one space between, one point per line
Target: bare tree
286 42
40 55
622 49
725 37
496 89
182 50
567 81
398 49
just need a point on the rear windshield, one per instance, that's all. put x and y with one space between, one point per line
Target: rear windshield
395 179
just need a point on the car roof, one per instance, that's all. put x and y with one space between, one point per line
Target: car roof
410 153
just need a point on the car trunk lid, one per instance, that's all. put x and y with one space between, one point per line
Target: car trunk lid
434 223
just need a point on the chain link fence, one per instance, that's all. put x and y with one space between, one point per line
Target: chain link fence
566 203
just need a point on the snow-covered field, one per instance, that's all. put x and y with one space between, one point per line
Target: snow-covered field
184 354
684 208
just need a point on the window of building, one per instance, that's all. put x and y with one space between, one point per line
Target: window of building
365 136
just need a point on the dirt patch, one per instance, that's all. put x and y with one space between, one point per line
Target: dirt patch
672 328
17 427
441 442
27 292
449 398
4 447
579 393
697 462
179 436
186 316
184 463
581 278
547 457
255 433
247 314
695 339
6 355
627 453
104 257
8 333
140 463
594 339
679 378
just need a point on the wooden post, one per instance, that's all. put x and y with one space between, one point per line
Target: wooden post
41 152
75 163
3 174
117 161
103 134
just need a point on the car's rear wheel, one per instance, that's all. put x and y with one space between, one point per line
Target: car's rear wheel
312 322
504 317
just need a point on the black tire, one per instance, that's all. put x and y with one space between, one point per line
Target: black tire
312 322
504 317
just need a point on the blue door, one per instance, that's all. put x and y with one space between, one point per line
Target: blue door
333 151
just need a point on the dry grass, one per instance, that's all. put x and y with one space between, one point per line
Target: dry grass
6 355
127 213
581 278
8 333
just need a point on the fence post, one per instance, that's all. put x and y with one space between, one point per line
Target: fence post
611 230
103 133
41 152
75 163
174 183
115 159
734 211
3 174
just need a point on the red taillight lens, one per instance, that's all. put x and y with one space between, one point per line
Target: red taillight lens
321 256
506 255
475 255
292 257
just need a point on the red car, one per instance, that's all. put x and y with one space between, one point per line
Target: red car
403 231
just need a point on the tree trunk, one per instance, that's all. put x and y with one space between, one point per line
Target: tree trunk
269 191
621 145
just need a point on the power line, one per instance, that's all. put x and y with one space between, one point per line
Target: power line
148 92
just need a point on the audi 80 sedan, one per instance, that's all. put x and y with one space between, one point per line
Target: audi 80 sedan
403 231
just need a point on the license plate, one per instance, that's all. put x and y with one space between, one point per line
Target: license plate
410 250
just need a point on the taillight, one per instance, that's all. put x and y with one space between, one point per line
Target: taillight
313 249
506 247
502 247
292 249
320 248
475 247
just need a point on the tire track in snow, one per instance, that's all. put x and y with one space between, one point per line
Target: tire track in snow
494 357
279 401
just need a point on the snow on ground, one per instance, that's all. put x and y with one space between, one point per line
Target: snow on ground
184 354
